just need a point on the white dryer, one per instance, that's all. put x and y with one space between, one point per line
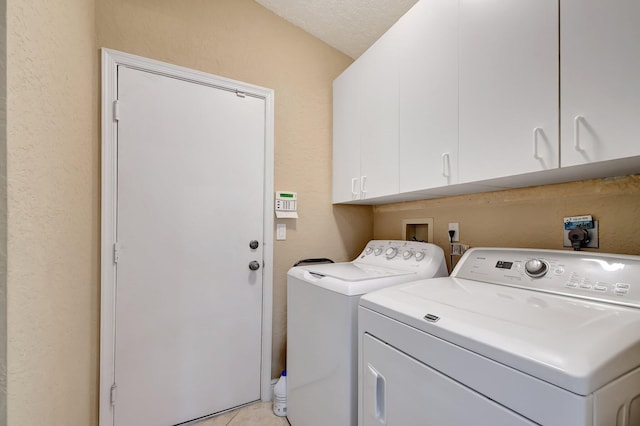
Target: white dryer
322 308
513 337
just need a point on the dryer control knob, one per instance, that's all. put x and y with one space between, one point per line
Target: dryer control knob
420 255
391 252
377 251
407 254
368 250
536 268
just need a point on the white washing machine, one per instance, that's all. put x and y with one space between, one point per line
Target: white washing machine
322 308
513 337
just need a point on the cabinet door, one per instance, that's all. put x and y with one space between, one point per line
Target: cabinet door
428 97
600 80
346 135
379 117
508 87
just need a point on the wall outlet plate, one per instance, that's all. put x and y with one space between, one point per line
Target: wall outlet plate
593 237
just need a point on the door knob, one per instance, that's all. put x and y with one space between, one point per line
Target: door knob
254 244
254 265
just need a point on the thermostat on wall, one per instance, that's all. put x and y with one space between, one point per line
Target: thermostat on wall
286 205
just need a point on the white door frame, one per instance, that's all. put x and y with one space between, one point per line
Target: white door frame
111 59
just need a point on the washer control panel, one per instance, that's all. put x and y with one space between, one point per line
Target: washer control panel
596 276
400 254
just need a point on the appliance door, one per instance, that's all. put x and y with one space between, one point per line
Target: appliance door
350 279
401 391
353 271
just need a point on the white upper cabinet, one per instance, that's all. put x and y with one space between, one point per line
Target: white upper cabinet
600 80
346 135
365 124
379 117
508 88
428 96
469 95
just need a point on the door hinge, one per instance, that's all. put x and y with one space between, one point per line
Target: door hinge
116 252
240 94
116 110
113 394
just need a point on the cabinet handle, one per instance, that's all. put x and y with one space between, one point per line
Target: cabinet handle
354 187
576 132
446 167
535 143
363 185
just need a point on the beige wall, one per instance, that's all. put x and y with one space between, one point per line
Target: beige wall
3 213
53 216
54 169
529 217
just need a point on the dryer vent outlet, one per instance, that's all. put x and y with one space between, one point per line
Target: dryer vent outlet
418 230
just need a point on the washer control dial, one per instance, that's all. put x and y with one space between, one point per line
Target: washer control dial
369 250
377 251
391 252
407 254
536 268
420 255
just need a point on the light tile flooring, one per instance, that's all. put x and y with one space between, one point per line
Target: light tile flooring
258 414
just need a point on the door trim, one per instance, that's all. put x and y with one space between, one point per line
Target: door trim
111 59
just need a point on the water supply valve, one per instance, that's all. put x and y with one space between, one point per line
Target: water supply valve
579 237
580 232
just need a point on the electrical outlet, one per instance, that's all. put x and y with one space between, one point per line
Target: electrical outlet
456 228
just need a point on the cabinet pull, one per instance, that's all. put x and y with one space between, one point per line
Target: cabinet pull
446 167
535 143
354 188
363 185
576 134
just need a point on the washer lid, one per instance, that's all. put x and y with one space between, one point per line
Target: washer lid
575 344
352 278
350 271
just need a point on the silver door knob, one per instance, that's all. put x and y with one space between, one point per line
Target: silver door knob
254 244
254 265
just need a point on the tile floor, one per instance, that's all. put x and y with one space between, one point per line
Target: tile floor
258 414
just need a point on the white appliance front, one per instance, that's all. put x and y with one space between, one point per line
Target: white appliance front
416 394
507 342
322 325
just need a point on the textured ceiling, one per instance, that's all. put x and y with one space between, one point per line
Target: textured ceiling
350 26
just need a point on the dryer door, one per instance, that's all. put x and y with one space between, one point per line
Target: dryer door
400 391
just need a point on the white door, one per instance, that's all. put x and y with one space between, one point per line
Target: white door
428 96
346 135
600 80
189 201
508 88
398 390
379 117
